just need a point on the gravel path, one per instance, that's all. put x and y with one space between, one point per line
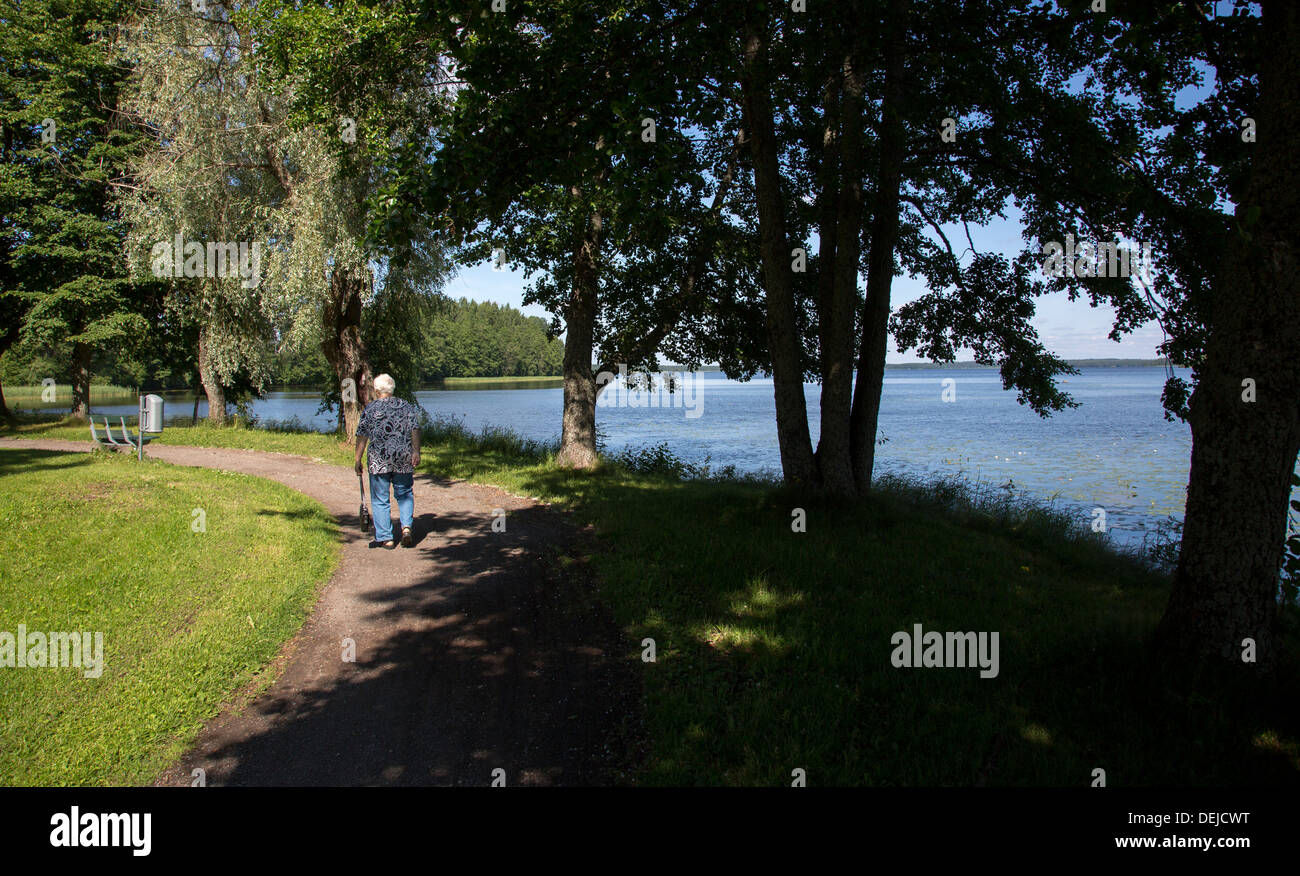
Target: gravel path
474 652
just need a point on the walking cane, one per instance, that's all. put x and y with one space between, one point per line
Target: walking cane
365 509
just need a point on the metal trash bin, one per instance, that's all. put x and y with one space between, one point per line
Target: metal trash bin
151 413
151 420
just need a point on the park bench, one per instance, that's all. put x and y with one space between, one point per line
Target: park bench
151 419
128 438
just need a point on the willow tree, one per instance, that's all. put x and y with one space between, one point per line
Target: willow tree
356 79
205 181
235 162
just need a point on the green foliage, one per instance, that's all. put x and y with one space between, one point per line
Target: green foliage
305 366
99 390
418 339
533 152
465 338
421 340
261 157
160 361
449 435
210 176
1151 149
63 277
660 460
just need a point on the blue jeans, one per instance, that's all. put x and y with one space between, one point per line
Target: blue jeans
401 484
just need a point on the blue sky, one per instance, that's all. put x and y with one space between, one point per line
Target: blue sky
1072 330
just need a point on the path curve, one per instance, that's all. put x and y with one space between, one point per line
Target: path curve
473 651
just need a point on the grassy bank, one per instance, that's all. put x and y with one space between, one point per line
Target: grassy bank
774 646
63 392
97 543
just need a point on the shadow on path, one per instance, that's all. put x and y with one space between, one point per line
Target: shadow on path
474 650
487 659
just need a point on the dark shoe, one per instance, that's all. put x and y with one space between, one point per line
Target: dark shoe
390 544
406 537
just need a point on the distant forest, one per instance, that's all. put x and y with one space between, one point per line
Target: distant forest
447 338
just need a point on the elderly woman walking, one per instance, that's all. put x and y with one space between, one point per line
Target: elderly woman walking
391 426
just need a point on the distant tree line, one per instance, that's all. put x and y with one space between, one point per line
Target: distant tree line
426 340
443 338
480 339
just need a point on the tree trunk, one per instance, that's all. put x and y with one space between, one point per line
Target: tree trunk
1243 452
343 347
578 429
81 380
834 460
196 385
212 387
782 324
874 342
8 336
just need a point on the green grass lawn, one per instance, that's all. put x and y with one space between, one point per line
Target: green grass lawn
99 543
774 646
311 444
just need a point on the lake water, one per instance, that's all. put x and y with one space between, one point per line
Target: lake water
1115 451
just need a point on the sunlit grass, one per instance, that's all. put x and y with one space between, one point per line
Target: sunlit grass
271 438
195 578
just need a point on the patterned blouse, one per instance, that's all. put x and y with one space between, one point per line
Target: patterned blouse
387 423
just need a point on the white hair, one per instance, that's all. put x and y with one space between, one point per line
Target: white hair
385 383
